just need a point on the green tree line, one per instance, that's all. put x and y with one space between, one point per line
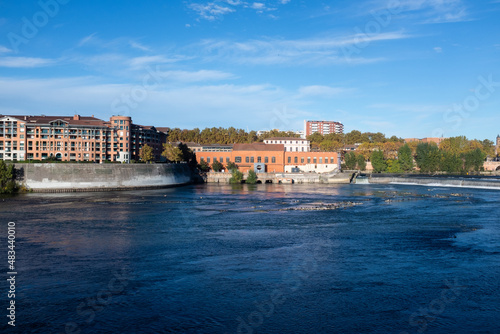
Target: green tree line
223 136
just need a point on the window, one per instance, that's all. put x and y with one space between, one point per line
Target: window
296 159
331 160
259 159
215 159
237 159
247 159
201 159
320 160
227 160
302 160
273 160
251 159
289 160
302 149
314 160
266 160
308 160
208 159
221 159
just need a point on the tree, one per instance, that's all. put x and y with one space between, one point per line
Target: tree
7 178
378 163
236 177
217 166
171 152
252 177
146 153
393 166
350 160
428 157
474 160
451 163
361 162
330 145
231 165
203 166
405 158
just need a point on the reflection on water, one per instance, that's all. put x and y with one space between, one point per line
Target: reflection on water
231 259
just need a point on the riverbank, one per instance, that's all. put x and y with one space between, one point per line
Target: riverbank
75 177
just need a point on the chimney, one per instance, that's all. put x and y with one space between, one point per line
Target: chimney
76 117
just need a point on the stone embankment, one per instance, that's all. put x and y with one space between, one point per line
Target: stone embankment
76 177
336 177
443 181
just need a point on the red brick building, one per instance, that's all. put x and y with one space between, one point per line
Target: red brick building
272 158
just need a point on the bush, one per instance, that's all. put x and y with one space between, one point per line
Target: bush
252 177
236 177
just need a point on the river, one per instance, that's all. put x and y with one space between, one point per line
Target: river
243 259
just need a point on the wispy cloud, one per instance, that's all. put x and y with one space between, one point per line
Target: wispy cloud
3 49
427 11
197 76
320 51
86 40
321 91
138 63
139 46
25 62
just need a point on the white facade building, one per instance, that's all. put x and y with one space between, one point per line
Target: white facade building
291 144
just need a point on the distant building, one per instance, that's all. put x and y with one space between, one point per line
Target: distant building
436 140
291 144
497 146
322 127
76 138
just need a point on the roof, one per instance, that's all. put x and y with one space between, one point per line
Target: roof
286 138
42 119
259 147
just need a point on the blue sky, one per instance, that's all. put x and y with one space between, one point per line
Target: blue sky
411 68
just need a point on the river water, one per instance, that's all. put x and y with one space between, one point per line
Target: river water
242 259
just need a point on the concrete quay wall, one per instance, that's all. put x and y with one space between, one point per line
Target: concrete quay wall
437 181
68 177
215 177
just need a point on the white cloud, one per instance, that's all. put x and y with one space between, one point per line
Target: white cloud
187 106
25 62
258 6
438 49
211 10
217 9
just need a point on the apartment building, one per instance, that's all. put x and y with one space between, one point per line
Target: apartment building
75 138
322 127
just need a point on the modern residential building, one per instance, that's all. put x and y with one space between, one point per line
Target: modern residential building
76 138
292 144
322 127
272 158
